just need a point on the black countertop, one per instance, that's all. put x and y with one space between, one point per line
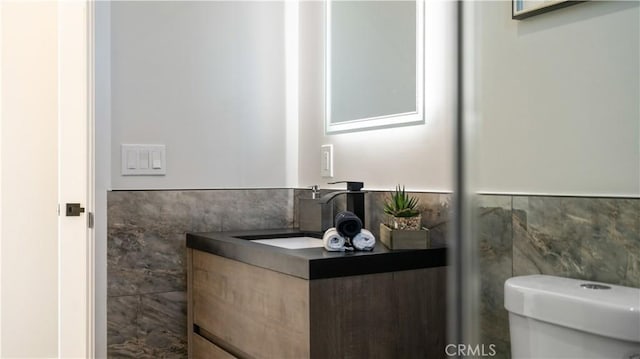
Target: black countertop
312 263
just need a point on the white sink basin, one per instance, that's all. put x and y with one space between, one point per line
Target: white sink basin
292 242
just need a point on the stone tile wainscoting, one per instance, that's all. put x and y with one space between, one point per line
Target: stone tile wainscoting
146 253
146 258
578 237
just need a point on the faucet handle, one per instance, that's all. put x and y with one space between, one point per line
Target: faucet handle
351 185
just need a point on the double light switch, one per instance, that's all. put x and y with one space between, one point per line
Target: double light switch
143 160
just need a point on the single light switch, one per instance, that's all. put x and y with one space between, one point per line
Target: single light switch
157 160
326 161
132 159
144 159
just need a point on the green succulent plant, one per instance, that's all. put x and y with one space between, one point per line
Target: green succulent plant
400 204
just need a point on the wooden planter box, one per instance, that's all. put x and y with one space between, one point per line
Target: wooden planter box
404 239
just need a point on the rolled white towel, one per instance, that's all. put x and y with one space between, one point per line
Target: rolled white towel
333 241
364 241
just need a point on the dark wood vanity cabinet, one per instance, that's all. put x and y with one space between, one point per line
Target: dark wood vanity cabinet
240 310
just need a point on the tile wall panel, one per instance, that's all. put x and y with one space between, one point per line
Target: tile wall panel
146 258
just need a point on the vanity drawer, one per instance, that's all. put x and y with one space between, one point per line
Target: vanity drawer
260 312
204 349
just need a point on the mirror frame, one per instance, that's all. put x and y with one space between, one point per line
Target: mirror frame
394 120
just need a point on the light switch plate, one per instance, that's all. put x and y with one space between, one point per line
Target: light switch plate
326 161
143 160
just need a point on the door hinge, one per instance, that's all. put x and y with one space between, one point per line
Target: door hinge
90 220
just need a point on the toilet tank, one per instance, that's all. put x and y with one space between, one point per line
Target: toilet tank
553 317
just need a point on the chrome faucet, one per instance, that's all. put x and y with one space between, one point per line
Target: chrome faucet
355 198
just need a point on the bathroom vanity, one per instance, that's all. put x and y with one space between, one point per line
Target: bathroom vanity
249 299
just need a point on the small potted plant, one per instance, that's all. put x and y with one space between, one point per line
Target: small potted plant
403 229
402 210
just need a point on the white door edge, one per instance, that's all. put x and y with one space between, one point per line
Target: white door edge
91 198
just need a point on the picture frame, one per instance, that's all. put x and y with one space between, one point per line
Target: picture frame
522 9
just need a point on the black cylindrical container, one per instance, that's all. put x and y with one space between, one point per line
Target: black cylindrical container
348 224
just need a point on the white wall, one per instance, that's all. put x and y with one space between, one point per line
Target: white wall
206 79
419 157
559 100
29 180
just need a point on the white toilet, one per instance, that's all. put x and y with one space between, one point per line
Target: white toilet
553 317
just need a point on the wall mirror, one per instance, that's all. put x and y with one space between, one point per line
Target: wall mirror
373 64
